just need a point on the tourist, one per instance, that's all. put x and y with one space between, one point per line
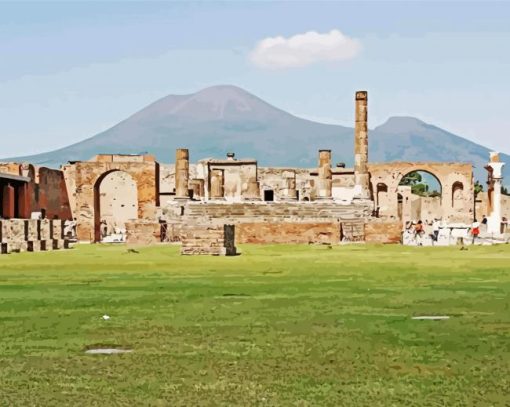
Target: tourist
475 231
418 232
104 229
435 230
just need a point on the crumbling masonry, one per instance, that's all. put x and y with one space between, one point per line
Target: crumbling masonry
136 197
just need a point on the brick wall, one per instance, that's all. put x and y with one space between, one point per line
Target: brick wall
288 233
383 232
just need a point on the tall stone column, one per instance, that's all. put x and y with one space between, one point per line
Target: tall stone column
8 202
217 184
495 168
289 188
362 190
182 173
325 182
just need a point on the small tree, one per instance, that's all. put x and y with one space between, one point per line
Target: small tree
478 188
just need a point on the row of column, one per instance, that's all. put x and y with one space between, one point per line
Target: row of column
217 179
15 201
324 182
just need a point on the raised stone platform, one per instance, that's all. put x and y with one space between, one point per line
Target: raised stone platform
31 235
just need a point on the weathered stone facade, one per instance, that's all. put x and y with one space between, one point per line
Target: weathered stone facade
456 203
84 180
133 195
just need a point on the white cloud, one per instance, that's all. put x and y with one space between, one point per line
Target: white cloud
304 49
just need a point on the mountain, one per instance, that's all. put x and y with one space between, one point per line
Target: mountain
221 119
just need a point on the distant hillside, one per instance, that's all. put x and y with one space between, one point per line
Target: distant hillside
220 119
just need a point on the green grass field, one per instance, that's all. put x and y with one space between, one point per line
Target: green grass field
276 326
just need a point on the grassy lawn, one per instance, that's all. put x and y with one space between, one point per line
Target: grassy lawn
278 325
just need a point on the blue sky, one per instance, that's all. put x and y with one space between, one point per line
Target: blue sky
69 70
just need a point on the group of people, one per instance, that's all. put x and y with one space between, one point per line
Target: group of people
419 230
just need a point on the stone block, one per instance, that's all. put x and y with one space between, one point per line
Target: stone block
209 240
143 233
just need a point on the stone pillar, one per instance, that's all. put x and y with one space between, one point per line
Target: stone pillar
216 184
289 189
324 183
8 202
495 168
252 192
23 201
362 190
181 173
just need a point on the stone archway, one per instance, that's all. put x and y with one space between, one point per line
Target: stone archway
447 175
115 203
422 193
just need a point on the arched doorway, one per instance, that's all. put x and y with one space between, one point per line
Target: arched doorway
382 198
421 196
115 202
457 195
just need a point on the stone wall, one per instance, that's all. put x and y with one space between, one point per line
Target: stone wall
209 240
45 191
257 212
482 207
143 233
288 233
19 235
383 232
52 194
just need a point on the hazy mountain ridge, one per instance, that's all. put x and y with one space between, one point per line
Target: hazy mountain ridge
220 119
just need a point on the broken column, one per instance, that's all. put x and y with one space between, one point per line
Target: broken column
289 188
495 169
324 183
216 184
362 190
181 173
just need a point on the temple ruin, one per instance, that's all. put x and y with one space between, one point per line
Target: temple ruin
134 198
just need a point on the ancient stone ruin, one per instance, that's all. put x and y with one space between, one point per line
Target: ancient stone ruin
135 199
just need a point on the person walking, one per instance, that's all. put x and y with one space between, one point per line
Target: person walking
475 230
435 230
